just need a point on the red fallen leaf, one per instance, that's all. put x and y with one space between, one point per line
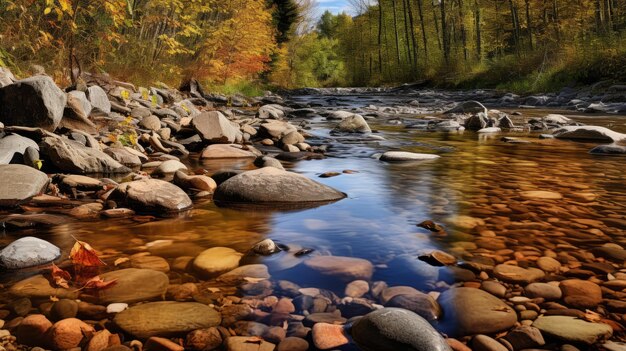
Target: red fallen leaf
98 284
60 276
83 254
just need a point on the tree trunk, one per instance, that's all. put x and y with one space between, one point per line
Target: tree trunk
529 26
437 29
444 32
463 32
423 25
380 37
395 30
406 35
413 40
478 33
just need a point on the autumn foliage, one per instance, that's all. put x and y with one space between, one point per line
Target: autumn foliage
86 266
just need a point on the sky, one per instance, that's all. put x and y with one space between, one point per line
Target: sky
334 6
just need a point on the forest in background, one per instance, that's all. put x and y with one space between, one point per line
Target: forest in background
245 45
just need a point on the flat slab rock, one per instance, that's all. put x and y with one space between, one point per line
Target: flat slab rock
20 183
27 252
572 329
592 133
74 157
133 285
151 195
346 269
399 156
166 318
271 185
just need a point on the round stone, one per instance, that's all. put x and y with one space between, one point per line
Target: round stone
133 285
516 274
217 260
345 269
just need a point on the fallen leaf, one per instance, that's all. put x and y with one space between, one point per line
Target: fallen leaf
60 276
98 284
83 254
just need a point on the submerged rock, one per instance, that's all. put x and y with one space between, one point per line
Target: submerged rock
151 195
591 133
20 183
32 102
270 185
217 260
166 318
27 252
345 269
133 285
392 329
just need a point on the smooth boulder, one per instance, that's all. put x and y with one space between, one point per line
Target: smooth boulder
345 269
213 127
27 252
217 260
13 144
151 195
572 329
270 185
400 156
589 133
392 329
133 285
353 124
32 102
20 183
166 318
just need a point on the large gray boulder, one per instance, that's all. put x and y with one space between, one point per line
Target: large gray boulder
391 329
151 195
270 185
73 157
6 77
76 114
213 127
27 252
589 133
99 99
166 318
468 107
14 144
20 183
32 102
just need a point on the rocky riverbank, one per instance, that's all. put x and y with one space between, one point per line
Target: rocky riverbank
522 271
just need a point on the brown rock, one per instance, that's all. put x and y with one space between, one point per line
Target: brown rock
293 344
99 341
203 339
69 333
581 293
161 344
327 336
32 330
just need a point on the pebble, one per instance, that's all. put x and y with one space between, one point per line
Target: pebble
328 336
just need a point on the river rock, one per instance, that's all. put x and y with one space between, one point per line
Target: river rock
32 102
293 344
240 274
469 311
581 293
123 155
267 161
271 185
73 157
198 182
544 290
151 123
75 117
396 329
218 151
541 195
166 318
399 156
213 127
32 330
246 343
69 333
217 260
151 195
572 329
20 183
476 122
525 337
81 98
99 99
276 129
516 274
611 149
590 133
39 287
204 339
14 144
485 343
270 111
422 304
27 252
133 285
468 107
345 269
353 124
357 288
328 336
169 167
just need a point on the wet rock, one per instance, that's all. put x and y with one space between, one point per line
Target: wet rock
169 167
525 337
265 247
27 252
485 343
99 341
245 343
161 344
198 182
581 293
590 133
32 330
422 304
124 156
572 329
476 122
324 317
438 258
353 124
544 290
468 107
494 288
219 151
272 111
399 156
612 149
32 102
213 127
73 157
345 269
99 99
240 274
396 329
549 264
489 130
217 260
270 185
266 161
151 195
155 263
469 311
292 138
14 145
69 333
20 183
293 344
166 318
39 286
203 339
133 285
276 129
357 288
64 309
328 336
541 194
516 274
